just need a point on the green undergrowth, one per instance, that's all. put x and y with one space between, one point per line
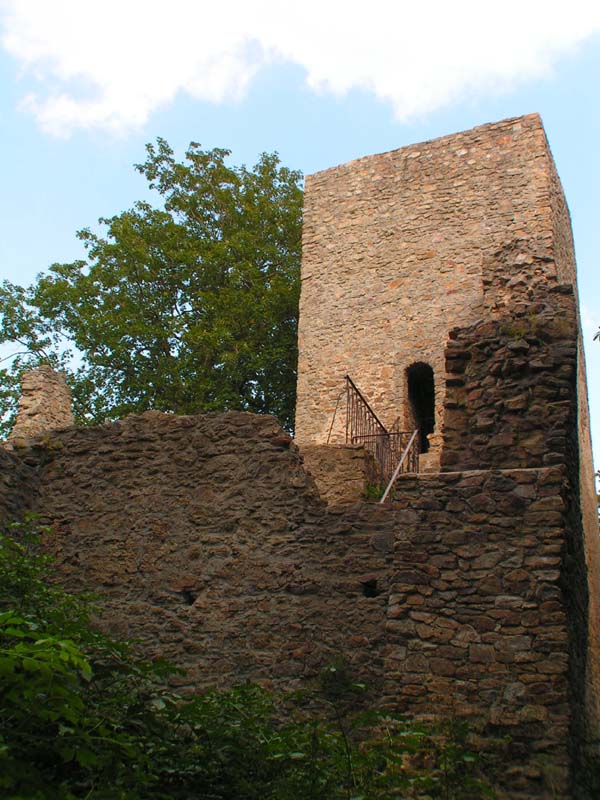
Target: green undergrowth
373 492
83 717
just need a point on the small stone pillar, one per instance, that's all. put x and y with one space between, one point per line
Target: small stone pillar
45 403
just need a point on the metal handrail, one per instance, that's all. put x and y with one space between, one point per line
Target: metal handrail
363 426
356 410
399 467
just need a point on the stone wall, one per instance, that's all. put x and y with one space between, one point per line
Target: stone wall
397 251
511 386
207 542
516 398
563 250
477 618
564 256
45 404
19 485
340 472
515 274
588 511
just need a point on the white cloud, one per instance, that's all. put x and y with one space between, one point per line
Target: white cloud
111 64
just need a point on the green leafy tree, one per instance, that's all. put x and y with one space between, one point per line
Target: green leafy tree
187 307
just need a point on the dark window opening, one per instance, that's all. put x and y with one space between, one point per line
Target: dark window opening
188 596
421 398
370 588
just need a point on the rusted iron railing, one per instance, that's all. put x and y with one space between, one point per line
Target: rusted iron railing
361 421
386 448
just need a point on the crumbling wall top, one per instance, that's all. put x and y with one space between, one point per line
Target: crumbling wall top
45 403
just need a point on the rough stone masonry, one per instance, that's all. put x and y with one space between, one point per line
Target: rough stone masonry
44 405
401 247
475 590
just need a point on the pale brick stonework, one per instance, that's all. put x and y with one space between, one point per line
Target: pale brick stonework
396 251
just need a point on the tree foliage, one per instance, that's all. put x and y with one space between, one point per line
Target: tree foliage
187 307
81 717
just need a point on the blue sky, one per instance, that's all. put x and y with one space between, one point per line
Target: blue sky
84 85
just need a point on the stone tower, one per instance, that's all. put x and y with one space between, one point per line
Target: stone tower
401 247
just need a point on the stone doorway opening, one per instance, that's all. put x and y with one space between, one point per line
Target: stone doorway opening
421 400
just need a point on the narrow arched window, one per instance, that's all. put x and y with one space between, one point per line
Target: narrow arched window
421 400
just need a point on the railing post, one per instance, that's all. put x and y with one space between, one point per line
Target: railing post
399 467
347 407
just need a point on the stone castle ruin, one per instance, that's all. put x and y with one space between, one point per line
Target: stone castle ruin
438 296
